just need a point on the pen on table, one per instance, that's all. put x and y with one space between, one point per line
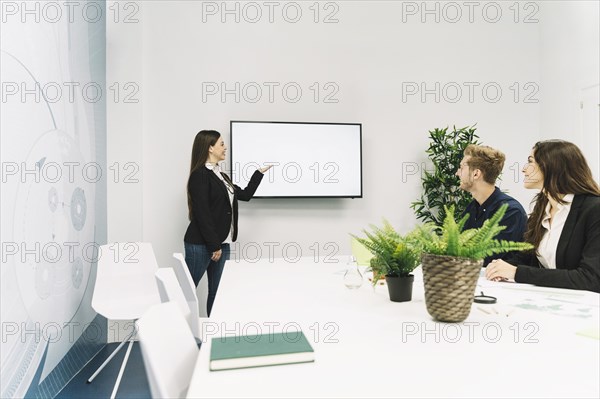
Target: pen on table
483 310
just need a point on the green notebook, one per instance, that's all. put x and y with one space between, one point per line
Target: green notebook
260 350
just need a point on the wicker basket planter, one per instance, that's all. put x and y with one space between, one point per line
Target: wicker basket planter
450 283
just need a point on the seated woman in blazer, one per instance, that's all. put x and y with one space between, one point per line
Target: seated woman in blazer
212 210
564 226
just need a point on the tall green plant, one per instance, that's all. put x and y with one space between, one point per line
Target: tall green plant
441 185
451 240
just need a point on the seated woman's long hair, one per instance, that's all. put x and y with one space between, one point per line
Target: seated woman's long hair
565 171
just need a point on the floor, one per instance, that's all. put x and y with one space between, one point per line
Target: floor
133 384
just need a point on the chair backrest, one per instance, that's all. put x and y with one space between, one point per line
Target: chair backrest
125 286
361 253
189 291
168 349
170 291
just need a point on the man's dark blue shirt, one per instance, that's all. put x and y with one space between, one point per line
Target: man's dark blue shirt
515 219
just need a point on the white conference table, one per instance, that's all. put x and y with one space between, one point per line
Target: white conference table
528 344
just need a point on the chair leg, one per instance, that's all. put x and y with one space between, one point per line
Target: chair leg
123 365
127 339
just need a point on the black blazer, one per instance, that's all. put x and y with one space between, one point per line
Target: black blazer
577 254
211 209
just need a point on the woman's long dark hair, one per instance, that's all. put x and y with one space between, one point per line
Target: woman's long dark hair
565 171
203 141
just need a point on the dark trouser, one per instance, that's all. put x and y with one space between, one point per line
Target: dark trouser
198 261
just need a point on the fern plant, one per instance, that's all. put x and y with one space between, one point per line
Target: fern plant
476 244
394 255
441 186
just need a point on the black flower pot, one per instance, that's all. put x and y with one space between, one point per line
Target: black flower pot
400 287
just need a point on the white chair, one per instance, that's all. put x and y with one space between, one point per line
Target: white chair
168 349
170 291
125 288
189 291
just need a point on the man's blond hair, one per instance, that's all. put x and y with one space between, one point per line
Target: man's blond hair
487 159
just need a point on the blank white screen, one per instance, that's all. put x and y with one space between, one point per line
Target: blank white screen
310 159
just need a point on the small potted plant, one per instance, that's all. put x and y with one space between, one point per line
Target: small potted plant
393 258
452 259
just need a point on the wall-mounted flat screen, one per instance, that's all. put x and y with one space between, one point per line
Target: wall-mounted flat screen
321 160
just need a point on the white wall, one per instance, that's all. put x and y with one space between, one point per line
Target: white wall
125 73
368 55
570 65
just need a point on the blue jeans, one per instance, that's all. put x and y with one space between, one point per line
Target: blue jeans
198 260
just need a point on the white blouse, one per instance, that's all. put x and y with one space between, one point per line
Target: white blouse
230 190
549 244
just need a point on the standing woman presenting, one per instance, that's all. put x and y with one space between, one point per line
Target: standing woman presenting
212 210
564 227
